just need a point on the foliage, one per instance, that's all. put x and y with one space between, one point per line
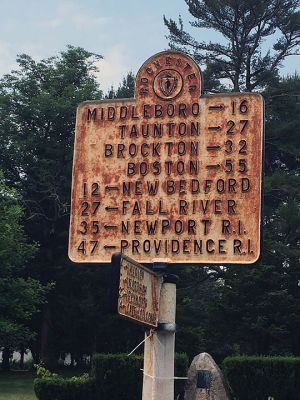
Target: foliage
253 309
223 311
83 320
42 372
75 388
20 297
14 250
282 133
37 119
260 377
125 89
256 312
49 386
38 104
196 289
257 308
108 368
243 27
282 183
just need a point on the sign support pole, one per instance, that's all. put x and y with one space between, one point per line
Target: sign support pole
158 382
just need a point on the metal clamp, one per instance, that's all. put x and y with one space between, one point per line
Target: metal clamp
170 278
167 327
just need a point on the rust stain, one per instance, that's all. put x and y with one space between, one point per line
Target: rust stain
170 175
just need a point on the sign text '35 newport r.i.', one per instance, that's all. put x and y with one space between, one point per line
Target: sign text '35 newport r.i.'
169 175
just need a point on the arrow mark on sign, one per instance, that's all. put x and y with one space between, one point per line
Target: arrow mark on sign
110 188
111 208
213 166
218 107
110 226
107 247
213 147
214 128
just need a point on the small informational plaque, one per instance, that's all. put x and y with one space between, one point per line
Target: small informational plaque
135 291
170 175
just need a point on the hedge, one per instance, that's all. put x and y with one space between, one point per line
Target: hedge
65 388
259 377
120 377
114 377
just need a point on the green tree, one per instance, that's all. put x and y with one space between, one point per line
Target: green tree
196 290
37 119
20 297
244 26
258 307
38 107
82 321
282 182
125 89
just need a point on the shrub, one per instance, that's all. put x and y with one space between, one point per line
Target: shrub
115 377
181 367
119 376
58 388
260 377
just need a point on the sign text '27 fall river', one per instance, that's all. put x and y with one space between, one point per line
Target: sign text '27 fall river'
169 175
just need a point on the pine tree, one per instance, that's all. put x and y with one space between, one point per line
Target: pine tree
125 89
258 307
20 297
37 120
244 27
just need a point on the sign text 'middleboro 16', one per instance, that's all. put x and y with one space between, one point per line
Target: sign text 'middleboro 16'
169 175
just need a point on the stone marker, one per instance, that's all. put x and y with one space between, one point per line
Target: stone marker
205 380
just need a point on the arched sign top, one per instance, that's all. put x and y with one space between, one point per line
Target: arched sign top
169 76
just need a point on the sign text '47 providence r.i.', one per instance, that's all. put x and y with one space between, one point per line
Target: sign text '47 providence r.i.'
169 175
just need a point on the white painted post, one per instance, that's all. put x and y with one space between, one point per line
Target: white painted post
158 382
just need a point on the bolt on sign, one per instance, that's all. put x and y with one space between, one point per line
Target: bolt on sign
170 175
135 291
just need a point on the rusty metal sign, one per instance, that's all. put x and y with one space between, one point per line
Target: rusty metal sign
169 175
135 291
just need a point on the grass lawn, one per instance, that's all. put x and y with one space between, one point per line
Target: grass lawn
17 386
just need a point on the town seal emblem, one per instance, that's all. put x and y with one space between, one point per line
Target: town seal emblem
168 84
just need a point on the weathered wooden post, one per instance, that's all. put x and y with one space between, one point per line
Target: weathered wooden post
169 176
159 348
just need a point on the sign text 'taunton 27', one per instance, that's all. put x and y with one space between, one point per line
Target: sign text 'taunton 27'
169 175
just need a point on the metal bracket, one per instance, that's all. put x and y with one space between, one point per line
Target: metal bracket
160 267
170 278
167 327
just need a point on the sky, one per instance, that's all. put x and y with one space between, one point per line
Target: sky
125 32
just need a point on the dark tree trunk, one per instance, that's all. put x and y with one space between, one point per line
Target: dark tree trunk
47 356
6 354
22 354
35 353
